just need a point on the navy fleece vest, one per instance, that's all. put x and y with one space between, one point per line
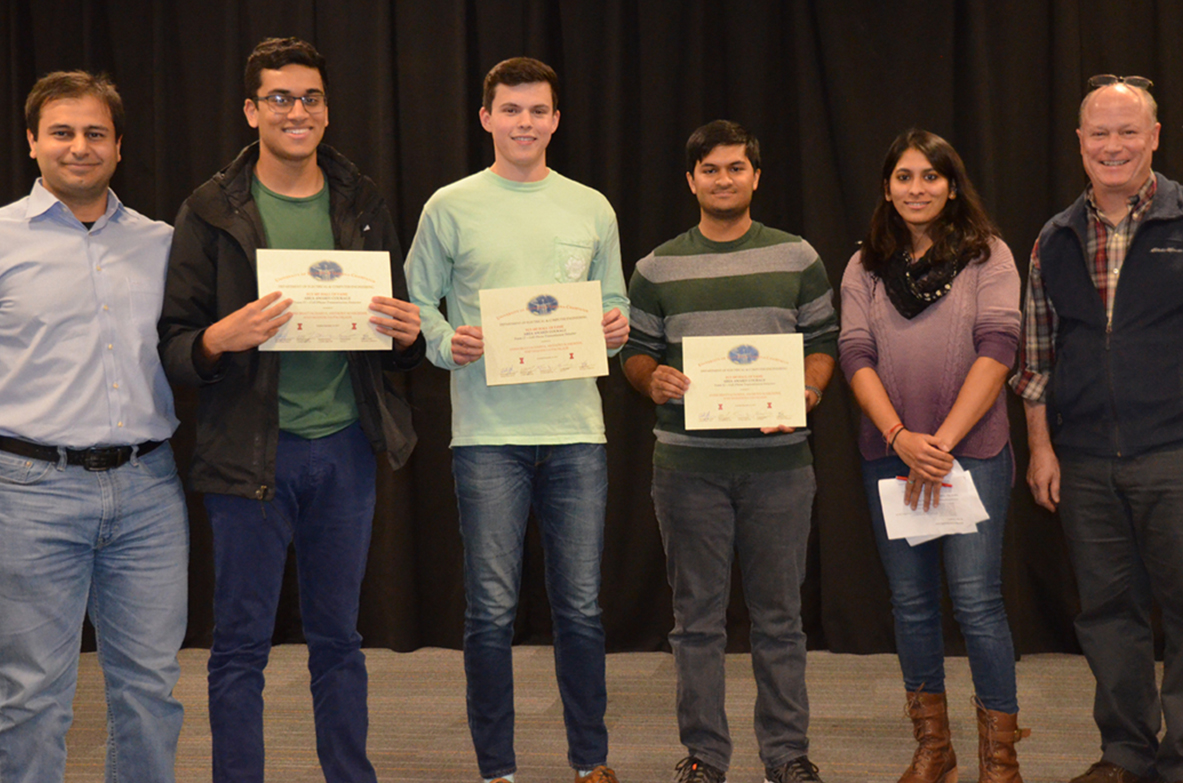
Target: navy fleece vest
1118 391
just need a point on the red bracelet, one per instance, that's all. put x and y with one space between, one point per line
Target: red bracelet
887 435
894 438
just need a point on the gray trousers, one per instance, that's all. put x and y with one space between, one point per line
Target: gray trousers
764 518
1123 519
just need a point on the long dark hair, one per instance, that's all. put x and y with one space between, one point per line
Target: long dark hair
962 229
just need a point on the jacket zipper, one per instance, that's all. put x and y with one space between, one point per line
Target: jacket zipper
1108 346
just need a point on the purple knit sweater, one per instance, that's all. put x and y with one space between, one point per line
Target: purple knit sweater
924 361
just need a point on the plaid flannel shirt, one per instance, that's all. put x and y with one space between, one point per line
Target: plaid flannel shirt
1106 244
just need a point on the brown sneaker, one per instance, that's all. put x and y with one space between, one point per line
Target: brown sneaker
1108 772
600 774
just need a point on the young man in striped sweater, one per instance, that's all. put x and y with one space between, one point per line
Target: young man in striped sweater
722 491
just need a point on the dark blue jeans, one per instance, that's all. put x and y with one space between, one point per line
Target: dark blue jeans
706 519
973 570
1123 519
567 486
324 503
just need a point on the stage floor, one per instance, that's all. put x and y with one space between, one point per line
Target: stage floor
418 730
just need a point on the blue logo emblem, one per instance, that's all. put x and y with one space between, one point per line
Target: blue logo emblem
743 354
325 271
543 305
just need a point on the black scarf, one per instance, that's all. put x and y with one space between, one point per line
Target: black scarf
914 285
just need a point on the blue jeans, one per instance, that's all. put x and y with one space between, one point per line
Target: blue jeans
973 570
114 544
567 486
324 504
1123 520
706 519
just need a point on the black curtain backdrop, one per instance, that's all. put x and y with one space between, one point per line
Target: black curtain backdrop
825 85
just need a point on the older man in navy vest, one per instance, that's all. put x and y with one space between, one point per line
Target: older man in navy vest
1101 376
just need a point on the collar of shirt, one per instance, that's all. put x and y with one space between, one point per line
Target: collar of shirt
41 201
1139 202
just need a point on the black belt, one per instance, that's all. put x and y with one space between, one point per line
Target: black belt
107 458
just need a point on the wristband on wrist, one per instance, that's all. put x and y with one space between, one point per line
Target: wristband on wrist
888 433
891 443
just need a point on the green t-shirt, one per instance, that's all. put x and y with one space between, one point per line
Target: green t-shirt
315 392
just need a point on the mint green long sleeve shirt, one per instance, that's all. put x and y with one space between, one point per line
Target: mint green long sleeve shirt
485 231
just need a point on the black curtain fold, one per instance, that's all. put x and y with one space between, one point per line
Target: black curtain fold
825 84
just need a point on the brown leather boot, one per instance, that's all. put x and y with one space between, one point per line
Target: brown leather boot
934 760
997 734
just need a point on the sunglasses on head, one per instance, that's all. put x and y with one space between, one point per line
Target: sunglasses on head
1106 79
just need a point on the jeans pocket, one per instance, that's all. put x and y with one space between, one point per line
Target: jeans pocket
15 469
159 463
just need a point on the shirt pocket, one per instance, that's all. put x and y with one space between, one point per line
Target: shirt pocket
572 259
145 299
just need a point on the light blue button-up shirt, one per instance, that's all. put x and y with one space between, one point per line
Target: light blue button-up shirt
78 312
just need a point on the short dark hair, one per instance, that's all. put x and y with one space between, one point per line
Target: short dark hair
273 54
520 70
720 133
963 228
64 85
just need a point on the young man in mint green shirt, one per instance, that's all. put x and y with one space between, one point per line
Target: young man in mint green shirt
537 445
286 441
720 494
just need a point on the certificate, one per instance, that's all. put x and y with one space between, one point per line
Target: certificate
330 292
744 381
543 333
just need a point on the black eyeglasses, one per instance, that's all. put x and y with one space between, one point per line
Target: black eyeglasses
280 103
1106 79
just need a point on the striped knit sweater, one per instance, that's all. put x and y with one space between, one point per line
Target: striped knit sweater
765 282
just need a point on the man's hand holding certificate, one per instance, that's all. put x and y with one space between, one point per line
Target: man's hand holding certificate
543 333
331 293
744 381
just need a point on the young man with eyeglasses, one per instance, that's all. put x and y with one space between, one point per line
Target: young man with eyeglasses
285 440
1101 376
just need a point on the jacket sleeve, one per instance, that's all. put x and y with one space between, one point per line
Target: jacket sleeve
413 355
190 299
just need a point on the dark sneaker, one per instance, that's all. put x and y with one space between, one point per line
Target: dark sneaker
799 770
692 770
1108 772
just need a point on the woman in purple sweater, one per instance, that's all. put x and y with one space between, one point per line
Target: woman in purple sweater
930 326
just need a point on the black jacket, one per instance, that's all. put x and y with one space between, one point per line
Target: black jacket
211 273
1117 389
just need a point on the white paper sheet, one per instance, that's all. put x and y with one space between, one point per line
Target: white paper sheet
959 511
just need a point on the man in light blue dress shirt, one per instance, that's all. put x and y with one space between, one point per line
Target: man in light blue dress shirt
92 515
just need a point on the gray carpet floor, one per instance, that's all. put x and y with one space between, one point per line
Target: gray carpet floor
418 730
